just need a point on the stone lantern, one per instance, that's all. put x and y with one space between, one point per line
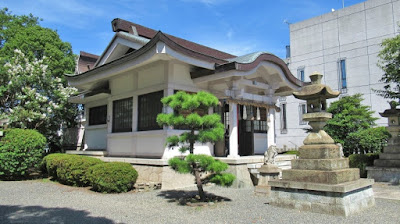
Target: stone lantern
321 180
387 167
316 95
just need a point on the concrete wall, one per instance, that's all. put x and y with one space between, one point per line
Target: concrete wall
353 33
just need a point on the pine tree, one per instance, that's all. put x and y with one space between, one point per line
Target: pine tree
191 111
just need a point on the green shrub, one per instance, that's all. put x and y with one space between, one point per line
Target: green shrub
21 151
361 161
113 177
368 140
51 162
72 169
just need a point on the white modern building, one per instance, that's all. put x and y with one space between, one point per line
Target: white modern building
342 45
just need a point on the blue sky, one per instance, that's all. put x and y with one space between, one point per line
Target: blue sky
235 26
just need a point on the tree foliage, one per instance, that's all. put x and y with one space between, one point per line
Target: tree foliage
35 99
370 140
191 111
350 121
389 62
21 152
33 90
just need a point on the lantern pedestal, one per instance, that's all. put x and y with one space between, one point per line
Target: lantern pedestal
387 167
321 180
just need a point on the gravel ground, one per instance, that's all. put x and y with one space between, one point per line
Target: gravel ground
48 202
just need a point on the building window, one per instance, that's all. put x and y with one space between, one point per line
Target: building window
302 110
260 126
122 115
283 119
300 73
342 76
149 107
98 115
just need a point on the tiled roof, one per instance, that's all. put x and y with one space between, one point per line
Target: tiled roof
123 25
86 61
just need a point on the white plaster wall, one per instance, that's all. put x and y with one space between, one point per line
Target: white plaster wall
121 144
122 84
260 143
207 149
96 137
151 75
353 33
181 74
150 143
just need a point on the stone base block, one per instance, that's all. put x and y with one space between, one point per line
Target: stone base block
387 163
262 190
319 151
384 174
324 177
391 149
389 156
320 164
333 203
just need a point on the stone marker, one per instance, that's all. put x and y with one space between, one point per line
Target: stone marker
321 180
268 171
387 167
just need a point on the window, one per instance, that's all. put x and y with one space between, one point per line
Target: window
261 126
300 73
98 115
149 107
283 119
122 115
342 76
302 110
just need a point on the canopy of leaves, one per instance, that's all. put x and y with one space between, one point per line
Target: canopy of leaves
188 110
371 140
204 163
390 63
349 116
38 67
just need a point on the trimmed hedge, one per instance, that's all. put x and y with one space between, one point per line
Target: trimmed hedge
113 177
69 169
73 170
21 151
51 162
361 161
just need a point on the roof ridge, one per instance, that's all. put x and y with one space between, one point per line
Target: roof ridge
124 25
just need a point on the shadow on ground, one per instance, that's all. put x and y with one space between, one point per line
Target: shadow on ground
39 214
175 196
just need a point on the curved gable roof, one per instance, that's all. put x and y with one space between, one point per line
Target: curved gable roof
123 25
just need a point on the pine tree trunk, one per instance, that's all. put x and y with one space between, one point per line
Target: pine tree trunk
199 183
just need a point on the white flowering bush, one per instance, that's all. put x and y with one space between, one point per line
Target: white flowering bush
33 98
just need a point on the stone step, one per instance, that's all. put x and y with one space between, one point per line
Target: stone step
392 149
387 163
320 164
389 156
325 151
324 177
